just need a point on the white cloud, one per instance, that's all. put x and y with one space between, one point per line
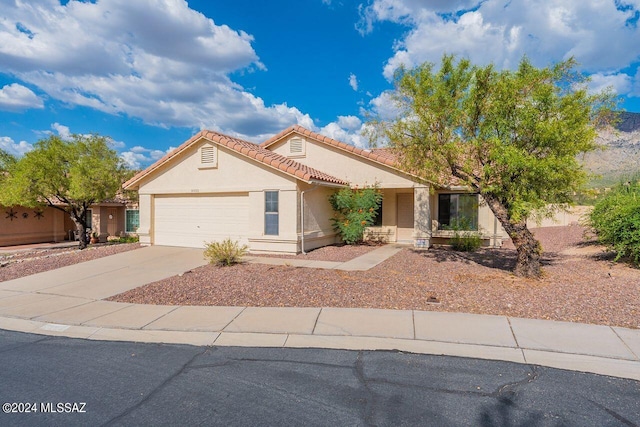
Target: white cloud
15 97
635 84
17 149
619 82
383 106
349 122
353 137
171 71
353 82
138 157
115 144
62 131
502 31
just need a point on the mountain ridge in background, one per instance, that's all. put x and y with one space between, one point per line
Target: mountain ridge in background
620 158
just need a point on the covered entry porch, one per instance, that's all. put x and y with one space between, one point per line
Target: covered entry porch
404 217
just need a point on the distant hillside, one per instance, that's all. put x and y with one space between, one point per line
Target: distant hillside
629 122
621 158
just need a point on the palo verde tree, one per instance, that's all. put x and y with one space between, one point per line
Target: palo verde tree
511 136
68 175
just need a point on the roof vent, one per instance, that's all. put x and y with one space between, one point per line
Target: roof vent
208 156
296 147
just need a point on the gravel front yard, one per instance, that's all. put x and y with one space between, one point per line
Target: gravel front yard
581 284
35 261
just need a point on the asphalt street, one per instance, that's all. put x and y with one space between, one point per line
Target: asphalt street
62 381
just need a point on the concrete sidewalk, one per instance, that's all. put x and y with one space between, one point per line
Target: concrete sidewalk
362 263
69 302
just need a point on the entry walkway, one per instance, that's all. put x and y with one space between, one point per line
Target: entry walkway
362 263
70 302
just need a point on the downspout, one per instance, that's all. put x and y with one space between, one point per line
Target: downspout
315 187
495 231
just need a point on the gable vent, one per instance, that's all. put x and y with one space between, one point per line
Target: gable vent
208 155
296 146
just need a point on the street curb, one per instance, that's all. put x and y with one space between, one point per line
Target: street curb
621 368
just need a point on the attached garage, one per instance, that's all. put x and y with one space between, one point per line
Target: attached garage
190 220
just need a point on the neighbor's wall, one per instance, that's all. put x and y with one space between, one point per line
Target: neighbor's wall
574 216
20 225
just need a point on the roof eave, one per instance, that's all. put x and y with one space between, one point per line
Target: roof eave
326 183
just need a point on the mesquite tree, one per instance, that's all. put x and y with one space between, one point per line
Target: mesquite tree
511 136
68 175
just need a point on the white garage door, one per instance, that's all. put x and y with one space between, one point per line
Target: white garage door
193 220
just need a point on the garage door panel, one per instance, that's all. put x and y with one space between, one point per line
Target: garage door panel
193 220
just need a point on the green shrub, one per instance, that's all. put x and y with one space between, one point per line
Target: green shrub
225 253
126 239
616 221
463 239
355 209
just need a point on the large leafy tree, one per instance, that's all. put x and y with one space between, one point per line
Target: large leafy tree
69 175
6 160
511 136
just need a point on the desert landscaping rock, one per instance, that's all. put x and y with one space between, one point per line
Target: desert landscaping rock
36 261
587 288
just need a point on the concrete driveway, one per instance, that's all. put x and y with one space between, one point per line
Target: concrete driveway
104 277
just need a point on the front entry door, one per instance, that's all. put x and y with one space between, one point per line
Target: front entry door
405 216
112 221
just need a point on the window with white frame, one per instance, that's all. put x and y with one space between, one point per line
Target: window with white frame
132 220
458 211
271 213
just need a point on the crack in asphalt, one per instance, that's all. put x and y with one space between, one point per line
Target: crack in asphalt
498 393
369 401
614 414
19 346
296 362
510 387
158 388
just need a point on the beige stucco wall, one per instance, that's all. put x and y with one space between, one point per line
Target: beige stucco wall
347 166
233 173
27 228
318 229
287 239
575 215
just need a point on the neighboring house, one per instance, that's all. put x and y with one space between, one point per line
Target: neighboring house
20 225
274 196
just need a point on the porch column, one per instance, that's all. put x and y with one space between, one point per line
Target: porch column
421 217
145 208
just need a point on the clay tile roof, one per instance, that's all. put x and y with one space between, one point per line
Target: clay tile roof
380 155
247 149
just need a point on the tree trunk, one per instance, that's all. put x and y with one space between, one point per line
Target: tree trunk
528 248
81 227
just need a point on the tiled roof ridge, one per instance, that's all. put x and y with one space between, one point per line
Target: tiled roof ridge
248 149
386 158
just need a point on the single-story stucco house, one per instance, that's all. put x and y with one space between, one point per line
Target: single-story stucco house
20 225
274 196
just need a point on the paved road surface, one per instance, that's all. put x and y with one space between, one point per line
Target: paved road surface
125 383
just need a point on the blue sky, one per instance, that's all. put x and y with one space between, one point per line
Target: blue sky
151 73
